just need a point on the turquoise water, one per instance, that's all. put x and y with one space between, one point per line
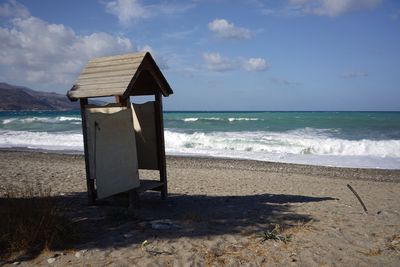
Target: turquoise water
348 125
348 139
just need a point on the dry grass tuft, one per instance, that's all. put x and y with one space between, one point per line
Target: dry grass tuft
31 221
393 243
373 252
299 227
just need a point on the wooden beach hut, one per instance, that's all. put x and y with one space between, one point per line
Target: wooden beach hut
122 137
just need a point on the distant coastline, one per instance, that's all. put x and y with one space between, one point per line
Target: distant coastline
19 98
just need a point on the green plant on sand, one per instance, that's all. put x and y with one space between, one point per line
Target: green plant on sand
31 220
274 234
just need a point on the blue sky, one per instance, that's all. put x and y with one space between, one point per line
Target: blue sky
217 54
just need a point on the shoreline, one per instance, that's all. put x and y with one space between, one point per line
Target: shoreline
370 174
76 152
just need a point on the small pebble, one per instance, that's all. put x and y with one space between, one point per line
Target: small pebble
51 260
80 253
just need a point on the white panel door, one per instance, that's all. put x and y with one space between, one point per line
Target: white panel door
113 156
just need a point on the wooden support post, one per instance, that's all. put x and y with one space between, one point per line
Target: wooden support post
161 145
134 200
89 180
120 100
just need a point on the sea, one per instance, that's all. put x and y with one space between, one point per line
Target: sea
340 139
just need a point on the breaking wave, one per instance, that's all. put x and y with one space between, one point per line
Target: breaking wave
220 119
42 119
242 119
41 140
202 119
190 119
293 147
296 142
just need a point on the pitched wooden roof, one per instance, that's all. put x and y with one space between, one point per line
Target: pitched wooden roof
121 75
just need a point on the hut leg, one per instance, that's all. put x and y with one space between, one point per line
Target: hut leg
89 182
164 189
161 145
134 201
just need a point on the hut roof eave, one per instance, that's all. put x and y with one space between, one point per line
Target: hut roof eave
119 76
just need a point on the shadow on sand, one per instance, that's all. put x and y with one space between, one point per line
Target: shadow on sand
111 224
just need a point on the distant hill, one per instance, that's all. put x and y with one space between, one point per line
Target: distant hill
22 98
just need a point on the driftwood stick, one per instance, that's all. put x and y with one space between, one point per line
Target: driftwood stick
358 197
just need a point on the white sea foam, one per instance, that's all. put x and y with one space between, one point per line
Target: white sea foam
7 121
307 146
190 119
41 140
220 119
295 147
280 143
243 119
43 119
74 118
203 119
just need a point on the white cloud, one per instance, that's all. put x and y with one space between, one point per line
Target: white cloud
215 62
332 8
35 51
226 30
127 10
13 9
256 64
131 10
353 74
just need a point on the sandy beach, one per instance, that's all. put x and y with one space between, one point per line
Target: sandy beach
217 212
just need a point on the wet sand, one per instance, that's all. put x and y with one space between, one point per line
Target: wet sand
218 211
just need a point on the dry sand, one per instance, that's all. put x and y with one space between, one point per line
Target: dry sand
217 209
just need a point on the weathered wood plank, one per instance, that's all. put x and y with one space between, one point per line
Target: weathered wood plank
95 93
105 86
126 72
106 80
119 57
114 62
109 68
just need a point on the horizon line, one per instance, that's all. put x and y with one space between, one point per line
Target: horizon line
281 110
